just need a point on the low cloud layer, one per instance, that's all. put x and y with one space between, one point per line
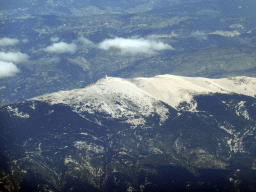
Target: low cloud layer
24 40
85 41
8 41
199 35
61 47
7 69
16 57
54 39
133 46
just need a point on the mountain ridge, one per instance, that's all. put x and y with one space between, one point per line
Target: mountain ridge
170 89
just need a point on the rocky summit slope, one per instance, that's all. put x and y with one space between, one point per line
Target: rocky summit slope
164 133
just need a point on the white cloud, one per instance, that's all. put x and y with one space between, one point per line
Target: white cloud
8 41
24 40
199 35
7 69
226 33
134 46
61 47
16 57
54 39
85 41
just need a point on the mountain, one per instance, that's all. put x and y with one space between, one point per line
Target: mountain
165 133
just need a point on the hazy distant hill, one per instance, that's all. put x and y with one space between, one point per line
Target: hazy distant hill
83 7
230 8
